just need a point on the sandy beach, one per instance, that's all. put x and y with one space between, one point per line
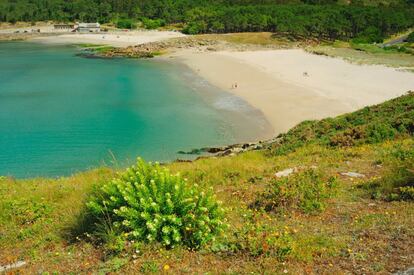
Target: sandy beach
116 39
290 86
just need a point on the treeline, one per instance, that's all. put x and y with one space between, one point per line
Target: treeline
315 18
367 24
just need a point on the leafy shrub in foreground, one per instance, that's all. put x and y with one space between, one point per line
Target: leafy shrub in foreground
149 204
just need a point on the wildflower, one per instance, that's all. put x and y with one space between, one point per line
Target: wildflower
166 267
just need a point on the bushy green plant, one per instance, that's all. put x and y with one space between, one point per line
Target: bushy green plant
195 27
410 38
305 190
152 23
369 35
398 181
148 204
397 184
126 24
406 193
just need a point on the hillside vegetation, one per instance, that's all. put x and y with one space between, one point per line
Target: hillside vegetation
346 207
322 19
373 124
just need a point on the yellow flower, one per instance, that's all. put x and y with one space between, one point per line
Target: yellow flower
166 267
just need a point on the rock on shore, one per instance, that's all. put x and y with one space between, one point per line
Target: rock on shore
231 150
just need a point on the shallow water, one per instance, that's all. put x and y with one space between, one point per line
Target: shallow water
61 113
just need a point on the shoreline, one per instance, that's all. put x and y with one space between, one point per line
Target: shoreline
227 103
291 86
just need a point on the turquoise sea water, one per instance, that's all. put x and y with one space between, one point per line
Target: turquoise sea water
61 113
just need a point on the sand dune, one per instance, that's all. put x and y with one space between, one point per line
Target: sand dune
290 86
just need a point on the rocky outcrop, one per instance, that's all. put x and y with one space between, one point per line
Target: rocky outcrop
409 271
149 50
230 150
285 173
10 267
353 175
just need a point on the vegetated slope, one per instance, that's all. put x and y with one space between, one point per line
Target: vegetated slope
373 124
319 219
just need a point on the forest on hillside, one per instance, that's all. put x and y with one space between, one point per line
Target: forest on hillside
326 19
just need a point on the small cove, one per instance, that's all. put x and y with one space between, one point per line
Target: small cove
61 113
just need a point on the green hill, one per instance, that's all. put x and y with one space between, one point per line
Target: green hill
374 124
345 207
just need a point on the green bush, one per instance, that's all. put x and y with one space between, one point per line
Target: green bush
126 24
406 193
152 23
396 185
379 132
410 38
305 190
148 204
195 27
398 181
369 35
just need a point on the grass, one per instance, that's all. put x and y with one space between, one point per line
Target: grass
96 48
372 124
400 56
326 241
349 230
398 35
306 190
265 39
